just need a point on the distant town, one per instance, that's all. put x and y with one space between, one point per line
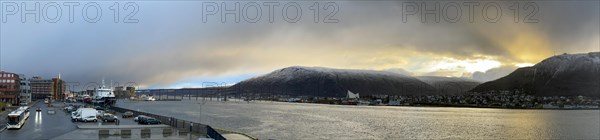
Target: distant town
495 99
16 89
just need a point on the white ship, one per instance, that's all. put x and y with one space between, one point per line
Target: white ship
148 98
104 96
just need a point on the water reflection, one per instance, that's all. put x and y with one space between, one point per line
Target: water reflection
38 122
314 121
526 124
38 118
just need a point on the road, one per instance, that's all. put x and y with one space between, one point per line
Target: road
42 125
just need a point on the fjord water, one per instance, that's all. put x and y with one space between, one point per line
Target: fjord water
276 120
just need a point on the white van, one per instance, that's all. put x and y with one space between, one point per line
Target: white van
84 114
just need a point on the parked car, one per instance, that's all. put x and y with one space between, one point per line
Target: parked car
127 114
74 116
90 119
151 121
137 118
140 119
109 118
70 108
98 108
147 120
99 113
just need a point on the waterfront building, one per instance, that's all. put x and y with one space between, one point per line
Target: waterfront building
47 88
394 102
351 95
9 87
25 86
119 92
58 88
40 88
130 91
124 92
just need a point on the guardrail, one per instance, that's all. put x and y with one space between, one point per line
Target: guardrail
177 123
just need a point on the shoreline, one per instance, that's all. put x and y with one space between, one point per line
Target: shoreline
416 105
457 106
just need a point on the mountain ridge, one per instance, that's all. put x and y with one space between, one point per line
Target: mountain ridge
332 82
560 75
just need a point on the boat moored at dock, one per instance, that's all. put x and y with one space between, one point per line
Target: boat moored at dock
104 96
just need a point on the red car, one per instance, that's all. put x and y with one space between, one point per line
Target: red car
87 99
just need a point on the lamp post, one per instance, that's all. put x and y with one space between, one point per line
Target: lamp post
200 111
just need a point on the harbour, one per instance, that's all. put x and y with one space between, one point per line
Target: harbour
280 120
301 70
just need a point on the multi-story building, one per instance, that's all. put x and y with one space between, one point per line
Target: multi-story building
40 88
119 92
47 88
9 87
25 86
130 91
58 89
124 92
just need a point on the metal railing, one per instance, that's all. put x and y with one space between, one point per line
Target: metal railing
177 123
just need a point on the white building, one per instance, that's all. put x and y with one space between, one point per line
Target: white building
25 96
352 95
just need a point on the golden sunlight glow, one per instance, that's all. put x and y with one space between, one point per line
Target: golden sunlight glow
530 47
461 66
523 42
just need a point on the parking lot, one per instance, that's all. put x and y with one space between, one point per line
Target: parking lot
42 125
55 123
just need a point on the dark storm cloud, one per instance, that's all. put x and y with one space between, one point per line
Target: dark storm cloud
171 43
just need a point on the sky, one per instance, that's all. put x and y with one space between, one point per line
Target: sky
178 44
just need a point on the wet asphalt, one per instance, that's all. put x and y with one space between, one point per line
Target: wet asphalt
42 125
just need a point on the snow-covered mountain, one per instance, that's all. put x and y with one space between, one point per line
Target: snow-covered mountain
328 82
562 75
450 85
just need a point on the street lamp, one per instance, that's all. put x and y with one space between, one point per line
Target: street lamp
200 111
